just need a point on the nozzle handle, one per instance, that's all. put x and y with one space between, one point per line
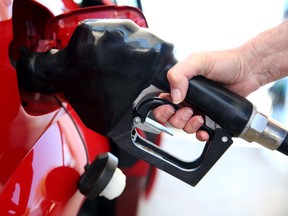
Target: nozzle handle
231 111
189 171
228 109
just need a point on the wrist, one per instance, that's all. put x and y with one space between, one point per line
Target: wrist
265 55
274 51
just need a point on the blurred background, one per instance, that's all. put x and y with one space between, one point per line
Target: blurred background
248 179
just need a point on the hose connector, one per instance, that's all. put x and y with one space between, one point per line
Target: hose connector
264 131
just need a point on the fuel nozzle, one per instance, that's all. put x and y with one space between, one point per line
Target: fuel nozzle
106 70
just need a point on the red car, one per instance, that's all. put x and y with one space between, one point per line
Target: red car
45 146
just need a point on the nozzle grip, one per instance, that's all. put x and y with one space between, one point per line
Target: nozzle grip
231 111
228 109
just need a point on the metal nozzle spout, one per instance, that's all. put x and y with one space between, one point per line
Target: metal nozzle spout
264 131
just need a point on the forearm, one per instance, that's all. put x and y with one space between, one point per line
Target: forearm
266 54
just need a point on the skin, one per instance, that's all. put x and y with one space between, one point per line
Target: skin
259 61
5 9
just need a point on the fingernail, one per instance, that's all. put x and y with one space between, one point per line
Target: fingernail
168 113
176 95
198 123
187 114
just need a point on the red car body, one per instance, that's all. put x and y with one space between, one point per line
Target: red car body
41 152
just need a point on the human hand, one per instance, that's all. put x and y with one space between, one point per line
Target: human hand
227 67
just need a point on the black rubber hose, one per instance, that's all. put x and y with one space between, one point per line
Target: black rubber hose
283 148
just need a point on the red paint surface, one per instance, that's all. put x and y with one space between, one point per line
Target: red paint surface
41 153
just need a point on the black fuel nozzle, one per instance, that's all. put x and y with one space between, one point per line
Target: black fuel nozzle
109 63
105 66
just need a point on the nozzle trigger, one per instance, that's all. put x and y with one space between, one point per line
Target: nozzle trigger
147 124
150 126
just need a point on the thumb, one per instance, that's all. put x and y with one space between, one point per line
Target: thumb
178 83
179 75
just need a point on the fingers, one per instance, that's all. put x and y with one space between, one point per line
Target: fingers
179 75
181 119
178 83
194 124
202 135
163 113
